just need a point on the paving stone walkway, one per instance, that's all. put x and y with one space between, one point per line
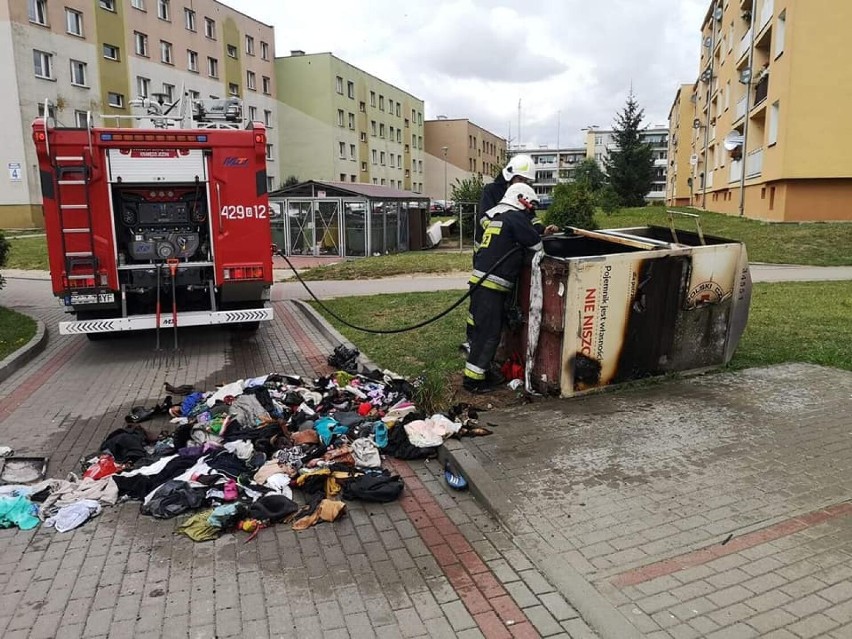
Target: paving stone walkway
433 564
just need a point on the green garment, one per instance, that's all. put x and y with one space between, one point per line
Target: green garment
197 528
18 511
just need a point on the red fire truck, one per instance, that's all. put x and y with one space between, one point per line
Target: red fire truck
156 226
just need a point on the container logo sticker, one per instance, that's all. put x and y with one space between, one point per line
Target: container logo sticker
706 293
235 161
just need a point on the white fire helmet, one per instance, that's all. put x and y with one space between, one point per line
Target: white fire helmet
521 197
519 165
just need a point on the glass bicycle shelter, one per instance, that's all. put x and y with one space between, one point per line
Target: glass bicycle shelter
347 219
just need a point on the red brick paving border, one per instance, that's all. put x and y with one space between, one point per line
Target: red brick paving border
494 610
38 378
749 540
284 312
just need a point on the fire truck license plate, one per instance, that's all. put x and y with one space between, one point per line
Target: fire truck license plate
99 298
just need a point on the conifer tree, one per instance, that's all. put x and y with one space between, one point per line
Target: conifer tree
630 166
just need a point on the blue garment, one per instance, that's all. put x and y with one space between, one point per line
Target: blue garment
18 511
327 428
190 402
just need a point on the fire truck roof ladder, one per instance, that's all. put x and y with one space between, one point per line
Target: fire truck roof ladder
72 175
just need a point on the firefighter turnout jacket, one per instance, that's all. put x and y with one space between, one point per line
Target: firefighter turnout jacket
503 230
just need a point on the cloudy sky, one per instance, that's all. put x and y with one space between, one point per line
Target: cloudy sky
570 62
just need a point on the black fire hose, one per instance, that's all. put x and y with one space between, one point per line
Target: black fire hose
407 328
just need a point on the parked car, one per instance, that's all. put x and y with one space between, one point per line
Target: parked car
436 207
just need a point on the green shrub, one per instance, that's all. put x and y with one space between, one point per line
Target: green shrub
573 205
4 255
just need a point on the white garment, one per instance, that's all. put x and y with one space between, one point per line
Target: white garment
256 381
533 317
65 493
366 454
234 389
150 469
280 483
426 433
73 515
242 449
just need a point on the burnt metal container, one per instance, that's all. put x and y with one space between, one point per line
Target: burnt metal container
624 304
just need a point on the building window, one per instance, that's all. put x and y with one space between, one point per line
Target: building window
264 50
420 166
419 141
419 118
138 4
269 152
390 133
373 127
414 115
381 103
383 182
141 43
115 100
406 123
192 60
382 130
74 22
111 52
267 117
341 146
397 110
350 90
342 177
375 153
163 10
109 5
338 81
780 33
43 64
352 121
270 183
352 152
234 89
251 80
51 111
382 158
81 119
375 180
399 136
213 67
189 19
169 90
252 113
210 28
340 117
193 95
774 113
390 106
363 166
165 52
373 99
143 86
392 161
267 85
362 107
78 73
249 45
232 51
363 136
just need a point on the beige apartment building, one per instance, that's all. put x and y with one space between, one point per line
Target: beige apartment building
339 123
457 149
600 142
680 169
97 55
769 138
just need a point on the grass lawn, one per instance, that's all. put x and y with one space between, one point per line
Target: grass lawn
817 244
815 328
28 253
15 331
390 265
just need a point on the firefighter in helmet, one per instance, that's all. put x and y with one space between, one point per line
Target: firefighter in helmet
506 227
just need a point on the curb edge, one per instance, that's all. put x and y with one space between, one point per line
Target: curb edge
15 361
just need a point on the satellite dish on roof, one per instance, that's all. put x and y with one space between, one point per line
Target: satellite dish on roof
708 41
733 140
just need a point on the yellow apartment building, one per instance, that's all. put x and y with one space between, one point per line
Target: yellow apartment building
679 177
98 55
770 137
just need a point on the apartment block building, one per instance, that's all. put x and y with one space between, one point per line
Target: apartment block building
679 187
600 142
554 166
97 55
339 123
773 95
457 149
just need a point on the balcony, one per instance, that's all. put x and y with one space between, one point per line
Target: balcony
736 171
740 109
661 162
754 163
545 181
766 13
761 89
745 43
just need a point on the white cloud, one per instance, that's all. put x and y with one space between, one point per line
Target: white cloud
571 62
